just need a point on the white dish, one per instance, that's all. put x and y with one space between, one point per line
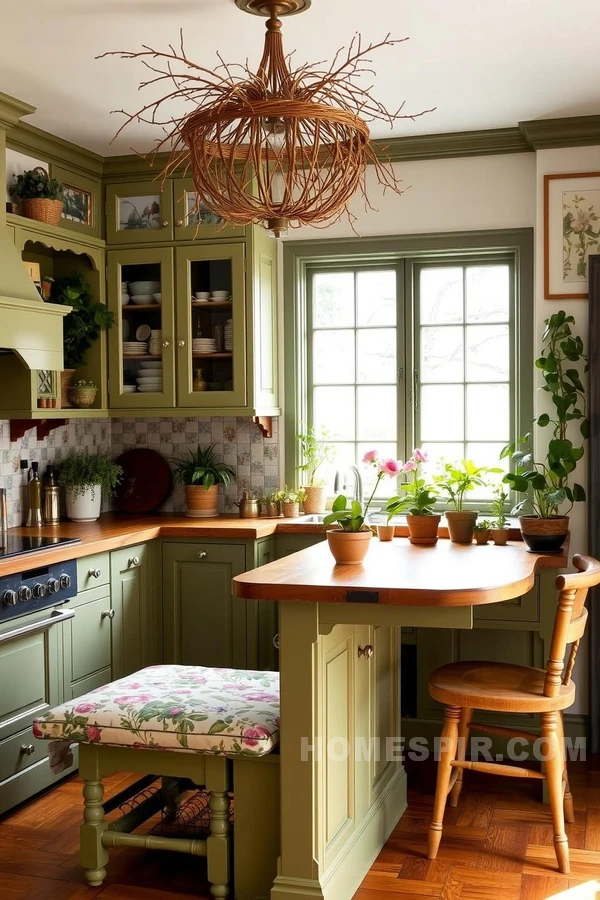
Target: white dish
150 389
125 298
149 375
143 333
152 364
202 295
143 299
220 295
144 382
144 287
157 298
129 388
195 300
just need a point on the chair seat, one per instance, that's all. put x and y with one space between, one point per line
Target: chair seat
230 712
498 687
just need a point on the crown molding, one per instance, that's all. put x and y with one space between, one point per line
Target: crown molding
11 110
573 131
452 144
28 139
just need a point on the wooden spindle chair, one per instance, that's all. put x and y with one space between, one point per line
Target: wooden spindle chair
502 687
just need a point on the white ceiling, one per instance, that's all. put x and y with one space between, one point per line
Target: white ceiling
481 63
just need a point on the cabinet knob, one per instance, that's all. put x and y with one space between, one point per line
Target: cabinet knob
164 224
179 223
202 554
133 561
276 642
181 343
166 344
27 749
94 573
366 651
107 614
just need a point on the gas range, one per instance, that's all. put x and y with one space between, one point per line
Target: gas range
41 587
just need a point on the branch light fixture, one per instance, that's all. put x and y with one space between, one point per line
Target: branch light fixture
279 147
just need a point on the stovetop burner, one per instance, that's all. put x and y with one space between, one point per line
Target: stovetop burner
15 544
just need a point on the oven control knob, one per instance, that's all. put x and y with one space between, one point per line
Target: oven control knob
39 590
9 598
24 593
65 581
53 586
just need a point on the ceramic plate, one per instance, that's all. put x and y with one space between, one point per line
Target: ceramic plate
143 333
146 481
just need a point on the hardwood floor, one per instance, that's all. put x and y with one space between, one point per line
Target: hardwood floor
496 843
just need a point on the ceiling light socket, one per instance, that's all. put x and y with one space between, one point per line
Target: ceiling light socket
269 7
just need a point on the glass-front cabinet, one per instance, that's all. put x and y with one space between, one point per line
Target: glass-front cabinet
139 213
196 222
142 344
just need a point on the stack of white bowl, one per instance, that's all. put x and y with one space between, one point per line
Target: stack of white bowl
228 335
135 348
124 294
142 291
150 377
204 345
220 295
155 346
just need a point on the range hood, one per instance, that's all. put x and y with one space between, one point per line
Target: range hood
29 327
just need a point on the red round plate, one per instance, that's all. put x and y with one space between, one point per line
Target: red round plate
146 481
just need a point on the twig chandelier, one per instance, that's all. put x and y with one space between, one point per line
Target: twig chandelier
276 147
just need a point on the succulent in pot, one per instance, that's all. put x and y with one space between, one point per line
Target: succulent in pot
39 196
290 499
349 539
315 452
274 504
482 530
456 480
86 477
545 486
201 473
417 500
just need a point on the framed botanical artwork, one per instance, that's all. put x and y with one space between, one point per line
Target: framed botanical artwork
571 233
77 205
80 201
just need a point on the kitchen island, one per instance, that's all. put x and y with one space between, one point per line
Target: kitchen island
343 784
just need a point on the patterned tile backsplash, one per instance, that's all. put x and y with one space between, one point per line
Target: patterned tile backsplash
239 441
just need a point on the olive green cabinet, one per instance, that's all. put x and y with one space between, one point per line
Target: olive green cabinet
137 615
87 637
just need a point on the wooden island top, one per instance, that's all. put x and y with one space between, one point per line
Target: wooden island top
399 573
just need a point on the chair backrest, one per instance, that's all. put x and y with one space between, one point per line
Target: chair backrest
570 621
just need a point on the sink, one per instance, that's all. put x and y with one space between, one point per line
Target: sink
374 519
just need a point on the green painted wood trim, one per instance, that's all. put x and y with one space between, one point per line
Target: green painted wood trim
452 144
28 139
574 131
11 110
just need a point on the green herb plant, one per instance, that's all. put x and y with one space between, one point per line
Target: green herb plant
81 470
497 507
456 480
202 468
83 325
315 451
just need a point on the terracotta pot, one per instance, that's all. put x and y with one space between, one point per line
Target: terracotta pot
315 498
273 508
348 548
482 535
544 535
461 525
499 536
291 509
423 529
385 532
201 502
42 210
66 377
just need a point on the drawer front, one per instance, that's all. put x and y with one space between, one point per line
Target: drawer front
89 639
92 571
98 679
28 679
16 755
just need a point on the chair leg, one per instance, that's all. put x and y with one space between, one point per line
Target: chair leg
463 740
554 778
568 797
448 745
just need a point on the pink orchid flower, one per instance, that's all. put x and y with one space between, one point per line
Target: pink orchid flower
421 456
370 456
391 467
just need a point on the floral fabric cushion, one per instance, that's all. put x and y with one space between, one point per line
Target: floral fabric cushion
227 712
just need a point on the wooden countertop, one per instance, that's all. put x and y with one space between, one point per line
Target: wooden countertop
402 574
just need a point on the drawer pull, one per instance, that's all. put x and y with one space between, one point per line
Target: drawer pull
202 554
94 573
366 651
107 614
276 642
133 561
27 749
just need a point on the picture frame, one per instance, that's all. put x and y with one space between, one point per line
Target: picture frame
77 205
81 201
571 233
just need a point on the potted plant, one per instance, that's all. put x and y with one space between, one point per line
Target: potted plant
85 478
290 499
499 526
274 504
545 485
201 473
349 539
39 196
457 480
315 451
81 326
417 499
83 393
482 531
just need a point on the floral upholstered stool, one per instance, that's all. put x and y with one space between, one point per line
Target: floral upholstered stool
194 726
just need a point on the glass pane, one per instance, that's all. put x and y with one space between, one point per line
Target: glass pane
141 329
212 348
376 356
442 452
488 293
441 296
442 358
376 298
333 408
139 213
488 413
344 456
199 213
333 357
488 455
333 300
442 416
488 353
376 413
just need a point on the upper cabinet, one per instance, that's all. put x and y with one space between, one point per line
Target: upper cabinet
194 223
139 213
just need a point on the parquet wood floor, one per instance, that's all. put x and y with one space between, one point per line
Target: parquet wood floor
497 845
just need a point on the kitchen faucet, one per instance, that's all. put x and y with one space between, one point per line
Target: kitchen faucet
340 483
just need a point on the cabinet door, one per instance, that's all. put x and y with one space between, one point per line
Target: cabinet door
29 677
193 224
139 212
136 618
87 645
262 618
211 375
141 344
203 624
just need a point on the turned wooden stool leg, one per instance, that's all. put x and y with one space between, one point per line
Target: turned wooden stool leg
463 740
93 855
554 766
219 840
448 745
568 797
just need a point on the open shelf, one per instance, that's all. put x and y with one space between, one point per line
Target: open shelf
224 355
129 307
211 304
140 356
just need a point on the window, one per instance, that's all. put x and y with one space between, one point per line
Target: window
400 349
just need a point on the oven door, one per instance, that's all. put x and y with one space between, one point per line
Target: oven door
30 684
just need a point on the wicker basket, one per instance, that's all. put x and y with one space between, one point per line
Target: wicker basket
42 210
82 397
